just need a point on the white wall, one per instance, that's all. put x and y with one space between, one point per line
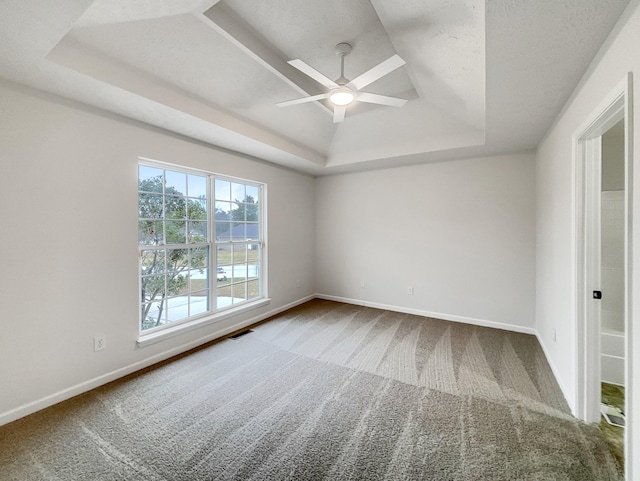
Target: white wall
612 228
612 305
612 271
462 233
69 267
555 300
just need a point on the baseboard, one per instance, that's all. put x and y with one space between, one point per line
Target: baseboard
570 399
42 403
83 387
435 315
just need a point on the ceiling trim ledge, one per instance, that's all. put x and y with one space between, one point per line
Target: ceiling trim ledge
71 54
235 30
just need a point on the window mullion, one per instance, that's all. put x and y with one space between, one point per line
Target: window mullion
211 238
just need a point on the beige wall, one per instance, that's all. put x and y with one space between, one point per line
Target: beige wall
613 158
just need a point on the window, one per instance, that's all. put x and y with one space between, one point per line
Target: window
191 225
237 226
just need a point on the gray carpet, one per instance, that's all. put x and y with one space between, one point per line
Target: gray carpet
324 391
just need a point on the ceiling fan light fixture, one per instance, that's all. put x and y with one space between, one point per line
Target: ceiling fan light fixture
342 96
342 91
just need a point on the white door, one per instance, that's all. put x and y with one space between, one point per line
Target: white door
588 170
588 185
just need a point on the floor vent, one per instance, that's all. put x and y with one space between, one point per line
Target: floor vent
240 334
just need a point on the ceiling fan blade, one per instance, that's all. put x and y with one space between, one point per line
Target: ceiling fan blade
303 100
338 113
313 73
376 72
380 99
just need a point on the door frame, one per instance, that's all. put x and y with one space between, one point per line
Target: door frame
587 178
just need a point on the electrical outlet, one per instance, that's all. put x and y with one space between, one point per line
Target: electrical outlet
362 284
555 337
99 343
298 284
410 290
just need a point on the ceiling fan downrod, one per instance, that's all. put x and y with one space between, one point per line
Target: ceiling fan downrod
343 95
342 50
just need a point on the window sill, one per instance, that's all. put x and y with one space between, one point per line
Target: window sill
157 336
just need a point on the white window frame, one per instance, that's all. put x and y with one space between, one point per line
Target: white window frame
213 314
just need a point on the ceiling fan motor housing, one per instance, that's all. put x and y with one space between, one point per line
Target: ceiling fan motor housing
343 49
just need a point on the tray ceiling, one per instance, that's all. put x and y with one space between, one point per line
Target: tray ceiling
481 77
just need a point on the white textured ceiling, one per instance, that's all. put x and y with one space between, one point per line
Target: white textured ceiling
482 76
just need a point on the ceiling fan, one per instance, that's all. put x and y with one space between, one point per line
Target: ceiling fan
343 91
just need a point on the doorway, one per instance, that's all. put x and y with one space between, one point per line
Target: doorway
603 235
612 302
